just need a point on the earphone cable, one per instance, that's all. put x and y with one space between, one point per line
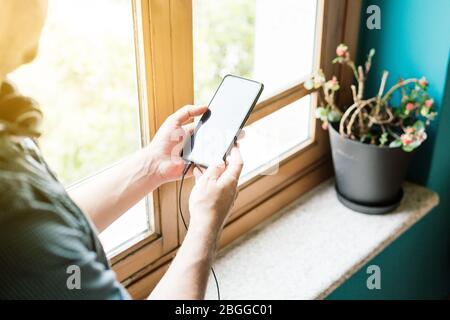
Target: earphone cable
186 170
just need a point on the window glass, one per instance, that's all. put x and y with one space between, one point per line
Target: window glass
85 80
269 41
269 140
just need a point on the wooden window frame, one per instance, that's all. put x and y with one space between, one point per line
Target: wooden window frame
165 46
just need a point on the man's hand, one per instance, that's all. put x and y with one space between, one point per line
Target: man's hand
210 203
214 193
168 142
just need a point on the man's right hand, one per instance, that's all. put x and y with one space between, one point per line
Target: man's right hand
214 193
210 203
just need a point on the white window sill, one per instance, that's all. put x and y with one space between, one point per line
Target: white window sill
312 247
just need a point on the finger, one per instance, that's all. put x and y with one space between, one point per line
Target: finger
190 172
180 142
197 173
189 128
235 165
202 170
187 113
215 171
182 135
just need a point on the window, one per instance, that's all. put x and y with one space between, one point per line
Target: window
274 43
120 73
271 42
92 111
271 138
190 45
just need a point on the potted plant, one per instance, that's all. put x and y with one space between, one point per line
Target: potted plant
373 139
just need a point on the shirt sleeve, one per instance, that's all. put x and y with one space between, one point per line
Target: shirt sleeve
42 257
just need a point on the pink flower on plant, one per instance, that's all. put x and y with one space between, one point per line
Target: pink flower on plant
412 135
319 79
410 130
341 50
409 106
334 81
421 135
325 125
407 139
333 84
423 82
429 103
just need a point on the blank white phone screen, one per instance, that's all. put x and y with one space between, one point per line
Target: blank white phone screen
221 123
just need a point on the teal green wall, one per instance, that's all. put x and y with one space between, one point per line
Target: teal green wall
414 40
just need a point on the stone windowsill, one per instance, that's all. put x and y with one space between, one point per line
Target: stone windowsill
311 247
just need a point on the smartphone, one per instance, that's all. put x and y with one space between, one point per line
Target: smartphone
219 127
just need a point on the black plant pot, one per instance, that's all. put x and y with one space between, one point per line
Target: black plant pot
368 178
